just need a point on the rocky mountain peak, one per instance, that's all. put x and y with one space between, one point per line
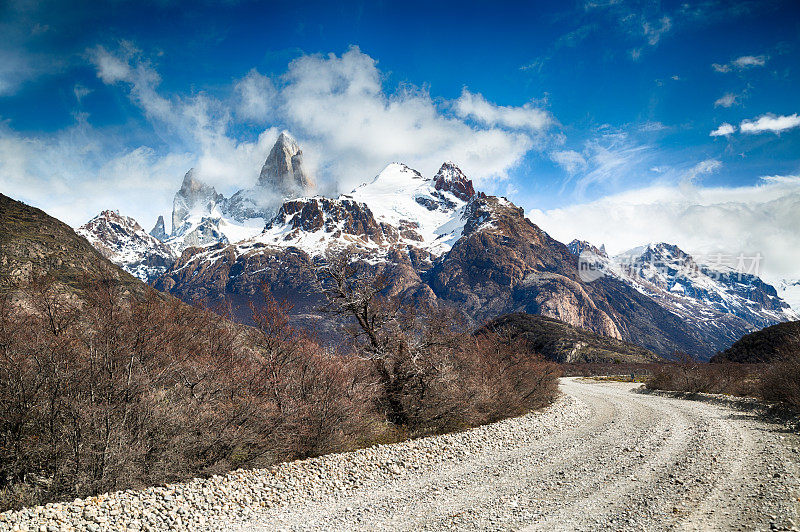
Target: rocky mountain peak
158 231
283 170
194 195
451 179
576 247
123 241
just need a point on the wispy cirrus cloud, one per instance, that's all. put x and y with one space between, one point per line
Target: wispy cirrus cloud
741 63
727 100
570 160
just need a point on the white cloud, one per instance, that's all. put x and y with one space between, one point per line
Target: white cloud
349 124
761 218
703 167
257 95
741 63
770 122
569 160
527 117
654 30
81 92
727 100
723 130
749 61
352 127
72 176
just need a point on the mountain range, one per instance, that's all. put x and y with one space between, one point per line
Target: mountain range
438 241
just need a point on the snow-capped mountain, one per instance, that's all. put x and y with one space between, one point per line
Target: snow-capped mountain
123 241
201 216
284 169
580 246
158 231
397 208
437 241
705 295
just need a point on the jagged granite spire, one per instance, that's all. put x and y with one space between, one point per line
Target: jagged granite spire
283 170
159 231
193 195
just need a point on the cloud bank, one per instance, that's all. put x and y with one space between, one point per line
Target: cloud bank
349 123
762 218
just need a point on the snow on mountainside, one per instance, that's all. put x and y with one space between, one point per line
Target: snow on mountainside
123 241
699 293
399 207
202 217
789 290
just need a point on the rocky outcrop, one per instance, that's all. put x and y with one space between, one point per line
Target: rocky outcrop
561 342
576 247
451 179
283 170
335 216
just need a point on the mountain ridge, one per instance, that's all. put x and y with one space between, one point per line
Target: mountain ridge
439 241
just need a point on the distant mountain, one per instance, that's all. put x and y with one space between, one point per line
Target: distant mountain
284 169
789 290
717 301
201 216
767 345
438 241
122 240
159 231
576 247
563 343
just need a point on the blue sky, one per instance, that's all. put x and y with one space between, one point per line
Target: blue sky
571 109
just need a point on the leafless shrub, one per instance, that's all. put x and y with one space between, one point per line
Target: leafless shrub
781 382
691 376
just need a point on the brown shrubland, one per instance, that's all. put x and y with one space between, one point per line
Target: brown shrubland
107 391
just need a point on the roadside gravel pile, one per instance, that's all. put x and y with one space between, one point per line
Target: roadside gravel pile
239 496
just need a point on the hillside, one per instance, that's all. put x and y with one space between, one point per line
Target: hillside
563 343
772 344
32 244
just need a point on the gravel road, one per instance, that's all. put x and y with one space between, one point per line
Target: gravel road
601 458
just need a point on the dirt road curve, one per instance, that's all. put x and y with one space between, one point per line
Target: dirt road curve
626 461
